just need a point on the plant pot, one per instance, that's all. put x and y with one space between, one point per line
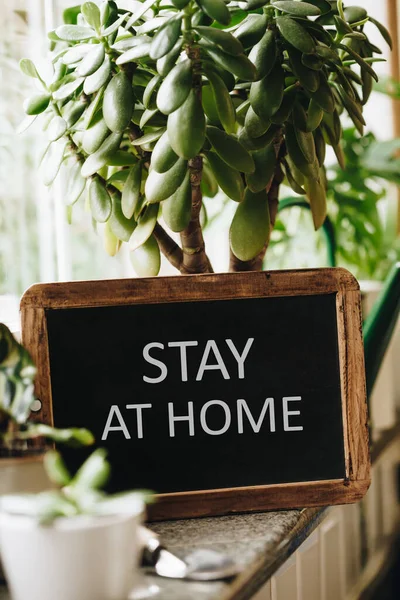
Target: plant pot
77 558
23 473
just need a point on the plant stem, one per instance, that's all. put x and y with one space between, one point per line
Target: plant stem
172 252
195 259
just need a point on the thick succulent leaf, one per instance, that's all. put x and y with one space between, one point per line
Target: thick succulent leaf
160 186
145 226
52 160
99 200
177 209
186 127
230 150
296 34
146 260
250 227
175 88
298 9
74 33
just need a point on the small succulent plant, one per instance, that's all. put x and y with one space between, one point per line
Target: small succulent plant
151 109
76 495
17 375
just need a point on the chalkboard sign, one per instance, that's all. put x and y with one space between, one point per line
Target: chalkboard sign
222 393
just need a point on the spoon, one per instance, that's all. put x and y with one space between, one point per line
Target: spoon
200 565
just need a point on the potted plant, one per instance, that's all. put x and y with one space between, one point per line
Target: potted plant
21 463
73 542
152 109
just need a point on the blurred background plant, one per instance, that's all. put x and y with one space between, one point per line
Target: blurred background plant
362 209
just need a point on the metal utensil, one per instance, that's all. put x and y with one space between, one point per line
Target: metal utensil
200 565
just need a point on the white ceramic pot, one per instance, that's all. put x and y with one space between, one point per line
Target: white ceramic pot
22 474
78 558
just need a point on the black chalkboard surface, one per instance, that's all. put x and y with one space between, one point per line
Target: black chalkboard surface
221 393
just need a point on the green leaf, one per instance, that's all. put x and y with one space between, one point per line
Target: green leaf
99 78
383 31
65 91
111 243
163 157
266 95
177 209
91 12
99 159
131 191
99 200
250 227
251 30
353 14
298 9
70 15
223 101
263 55
118 103
317 197
167 62
56 468
145 227
56 128
75 184
186 127
113 27
240 65
139 13
77 53
215 9
308 78
28 68
363 64
175 88
152 136
121 227
93 108
166 38
223 39
134 54
52 160
255 125
94 473
160 186
74 33
229 180
148 101
306 144
230 150
92 61
265 161
296 34
323 96
36 104
146 260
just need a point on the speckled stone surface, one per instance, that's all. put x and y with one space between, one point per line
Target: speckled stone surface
259 543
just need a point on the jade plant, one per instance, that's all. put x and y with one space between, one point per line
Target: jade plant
17 375
79 494
152 109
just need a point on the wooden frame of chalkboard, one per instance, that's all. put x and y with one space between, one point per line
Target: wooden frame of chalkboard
202 288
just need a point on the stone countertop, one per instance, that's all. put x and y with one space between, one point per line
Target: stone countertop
259 542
